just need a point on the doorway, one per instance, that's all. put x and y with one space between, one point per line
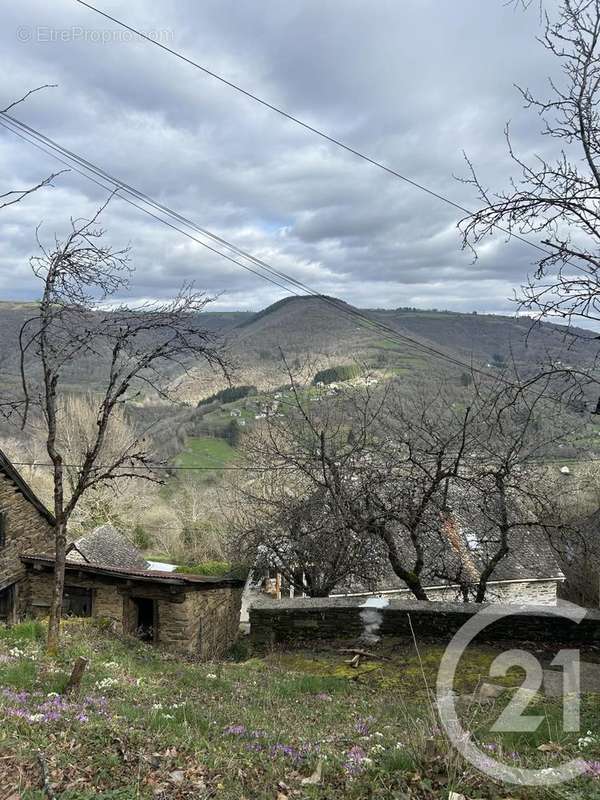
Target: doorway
145 618
7 605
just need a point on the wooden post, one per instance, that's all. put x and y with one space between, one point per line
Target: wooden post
79 668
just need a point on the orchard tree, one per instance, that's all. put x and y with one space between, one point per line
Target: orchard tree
132 349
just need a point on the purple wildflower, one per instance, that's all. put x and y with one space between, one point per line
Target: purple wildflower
286 750
362 725
235 730
593 769
354 761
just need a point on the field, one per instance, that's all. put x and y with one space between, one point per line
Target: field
206 452
288 725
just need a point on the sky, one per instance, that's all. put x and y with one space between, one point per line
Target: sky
413 84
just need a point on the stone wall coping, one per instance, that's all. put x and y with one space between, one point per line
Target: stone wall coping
436 607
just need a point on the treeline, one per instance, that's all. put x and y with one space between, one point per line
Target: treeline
229 395
339 373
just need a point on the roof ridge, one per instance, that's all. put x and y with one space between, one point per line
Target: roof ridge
9 470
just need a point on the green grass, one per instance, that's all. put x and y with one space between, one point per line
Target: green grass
206 452
148 725
215 569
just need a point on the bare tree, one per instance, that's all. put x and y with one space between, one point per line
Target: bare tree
133 346
557 199
9 198
502 505
431 488
295 506
350 483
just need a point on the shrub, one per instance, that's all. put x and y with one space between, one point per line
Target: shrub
215 569
229 395
141 537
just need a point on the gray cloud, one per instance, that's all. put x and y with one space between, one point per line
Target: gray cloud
413 83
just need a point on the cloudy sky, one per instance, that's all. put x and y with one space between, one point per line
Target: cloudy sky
412 83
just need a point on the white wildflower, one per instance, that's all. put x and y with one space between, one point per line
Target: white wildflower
587 740
106 683
212 676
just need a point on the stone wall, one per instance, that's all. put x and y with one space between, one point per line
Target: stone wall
27 531
205 625
107 600
307 619
533 592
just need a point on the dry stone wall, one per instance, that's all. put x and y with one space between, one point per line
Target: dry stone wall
533 592
107 600
305 619
27 531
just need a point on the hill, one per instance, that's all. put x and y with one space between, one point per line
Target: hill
320 332
327 332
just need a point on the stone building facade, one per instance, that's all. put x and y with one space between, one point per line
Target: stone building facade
26 526
193 615
533 591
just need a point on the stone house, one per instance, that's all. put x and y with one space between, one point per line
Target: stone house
455 555
194 615
107 578
26 525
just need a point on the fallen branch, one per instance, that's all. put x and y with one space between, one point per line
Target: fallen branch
363 653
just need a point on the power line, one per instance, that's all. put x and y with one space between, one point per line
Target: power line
317 131
367 323
135 205
550 461
147 467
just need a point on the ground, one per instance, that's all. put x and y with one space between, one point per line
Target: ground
147 725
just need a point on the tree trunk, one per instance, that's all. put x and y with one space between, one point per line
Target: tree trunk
57 589
77 672
411 579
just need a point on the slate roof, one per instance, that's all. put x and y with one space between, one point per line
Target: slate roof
145 575
458 547
9 471
107 547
